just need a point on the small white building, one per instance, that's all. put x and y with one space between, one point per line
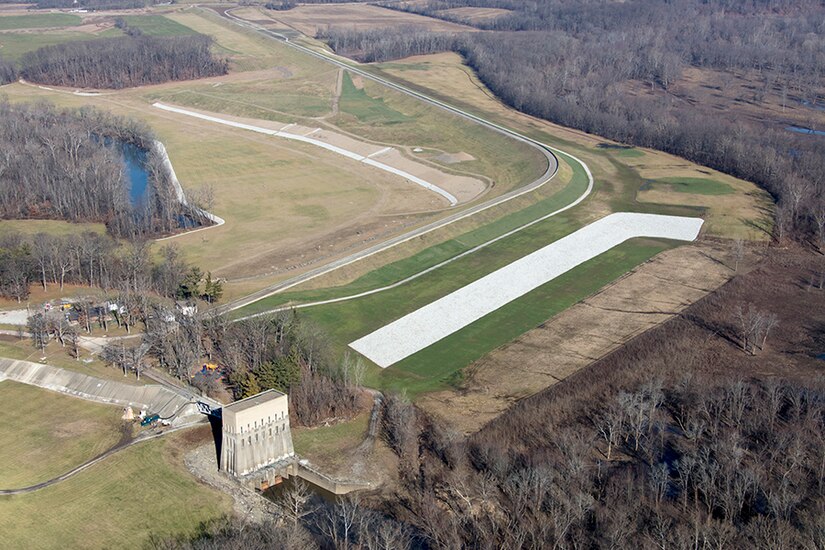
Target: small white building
255 433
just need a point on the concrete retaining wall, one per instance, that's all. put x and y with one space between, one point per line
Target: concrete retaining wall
152 398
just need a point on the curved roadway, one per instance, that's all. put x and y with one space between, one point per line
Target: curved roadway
547 151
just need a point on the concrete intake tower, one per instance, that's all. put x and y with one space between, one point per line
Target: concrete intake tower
255 433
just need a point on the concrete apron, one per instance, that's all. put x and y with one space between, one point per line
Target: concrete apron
154 399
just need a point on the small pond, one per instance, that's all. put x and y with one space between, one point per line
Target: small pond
135 159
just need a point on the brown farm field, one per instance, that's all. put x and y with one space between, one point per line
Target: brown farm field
474 15
308 19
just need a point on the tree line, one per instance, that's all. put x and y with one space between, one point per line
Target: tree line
282 351
98 261
571 63
123 62
66 164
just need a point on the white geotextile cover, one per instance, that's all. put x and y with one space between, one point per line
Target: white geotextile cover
439 319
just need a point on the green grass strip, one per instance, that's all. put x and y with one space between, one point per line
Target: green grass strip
39 21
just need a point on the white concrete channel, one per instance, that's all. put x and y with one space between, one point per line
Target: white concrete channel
445 316
318 143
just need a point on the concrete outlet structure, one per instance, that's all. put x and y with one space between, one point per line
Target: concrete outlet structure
255 433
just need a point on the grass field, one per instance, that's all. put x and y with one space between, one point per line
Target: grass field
119 503
51 227
326 443
14 45
38 21
157 25
265 96
45 434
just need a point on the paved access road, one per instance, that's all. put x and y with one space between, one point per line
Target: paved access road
547 151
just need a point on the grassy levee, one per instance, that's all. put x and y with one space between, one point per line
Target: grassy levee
439 365
121 502
45 434
694 186
39 21
619 180
401 269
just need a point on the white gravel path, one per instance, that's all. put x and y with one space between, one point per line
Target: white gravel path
304 138
429 324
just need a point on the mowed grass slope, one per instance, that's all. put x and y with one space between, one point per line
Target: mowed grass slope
140 492
398 270
380 114
45 434
367 109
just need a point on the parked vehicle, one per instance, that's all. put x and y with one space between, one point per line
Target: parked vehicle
150 420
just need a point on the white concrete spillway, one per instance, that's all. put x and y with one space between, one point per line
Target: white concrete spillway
328 146
429 324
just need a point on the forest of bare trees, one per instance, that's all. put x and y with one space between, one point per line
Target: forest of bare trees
680 439
572 62
8 71
123 62
65 164
97 261
291 354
